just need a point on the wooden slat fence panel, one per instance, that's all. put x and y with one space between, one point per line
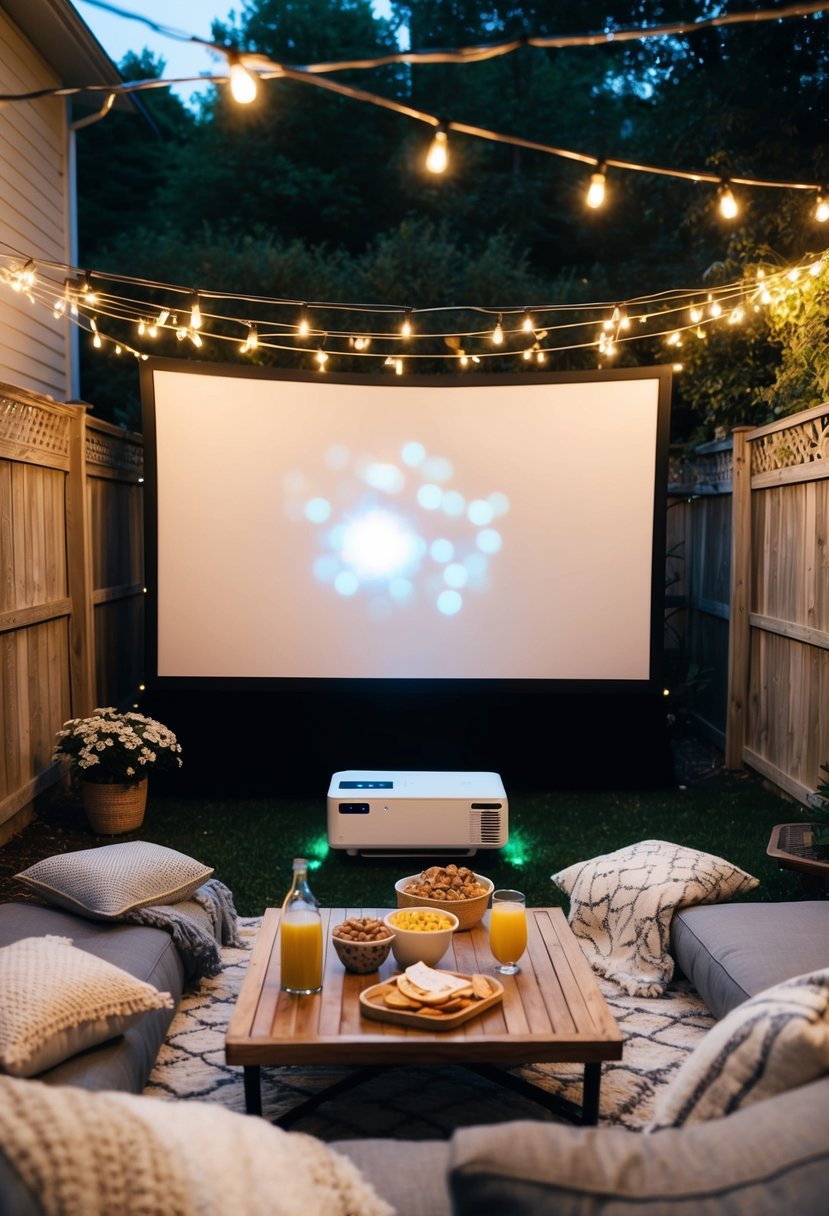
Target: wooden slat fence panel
70 504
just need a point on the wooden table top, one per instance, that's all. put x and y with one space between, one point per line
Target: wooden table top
552 1009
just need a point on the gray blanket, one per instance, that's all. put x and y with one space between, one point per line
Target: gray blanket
199 926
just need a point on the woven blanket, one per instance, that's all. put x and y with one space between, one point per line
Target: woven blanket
114 1154
198 926
423 1102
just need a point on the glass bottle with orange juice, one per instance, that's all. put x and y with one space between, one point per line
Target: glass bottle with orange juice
300 932
508 929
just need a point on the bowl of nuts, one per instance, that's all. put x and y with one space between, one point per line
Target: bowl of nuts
362 943
421 935
456 889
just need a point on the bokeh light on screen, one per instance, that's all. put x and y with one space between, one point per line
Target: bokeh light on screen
393 531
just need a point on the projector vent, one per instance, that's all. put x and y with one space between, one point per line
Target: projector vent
485 823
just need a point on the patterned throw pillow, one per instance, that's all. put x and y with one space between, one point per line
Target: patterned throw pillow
776 1041
105 883
56 1000
621 906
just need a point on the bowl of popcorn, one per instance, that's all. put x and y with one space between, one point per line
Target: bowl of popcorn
362 943
421 935
456 889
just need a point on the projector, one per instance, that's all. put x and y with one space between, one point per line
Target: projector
394 813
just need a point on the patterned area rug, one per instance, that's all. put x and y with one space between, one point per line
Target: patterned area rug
428 1102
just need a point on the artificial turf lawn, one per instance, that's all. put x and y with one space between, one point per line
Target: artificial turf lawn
251 842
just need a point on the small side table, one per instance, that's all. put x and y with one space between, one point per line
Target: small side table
792 846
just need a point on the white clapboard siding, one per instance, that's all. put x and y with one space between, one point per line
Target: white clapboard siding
33 214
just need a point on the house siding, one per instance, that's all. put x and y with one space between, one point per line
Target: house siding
34 345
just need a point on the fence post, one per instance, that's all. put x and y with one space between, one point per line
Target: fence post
739 640
79 562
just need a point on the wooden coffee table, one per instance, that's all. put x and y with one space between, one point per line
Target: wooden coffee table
552 1011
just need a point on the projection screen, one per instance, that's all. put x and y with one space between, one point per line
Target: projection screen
305 527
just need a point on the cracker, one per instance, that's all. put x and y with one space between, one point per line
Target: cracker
481 987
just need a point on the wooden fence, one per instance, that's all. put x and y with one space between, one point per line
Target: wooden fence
71 590
752 529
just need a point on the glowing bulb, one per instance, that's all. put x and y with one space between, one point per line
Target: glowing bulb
195 338
794 274
463 359
195 311
152 330
398 367
303 328
674 339
815 268
540 356
527 323
242 83
322 358
728 203
498 333
89 296
360 342
736 315
406 327
695 313
715 308
141 329
437 157
596 189
162 317
528 354
822 207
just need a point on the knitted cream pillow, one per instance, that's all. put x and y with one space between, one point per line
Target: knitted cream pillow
775 1041
56 1000
107 882
621 906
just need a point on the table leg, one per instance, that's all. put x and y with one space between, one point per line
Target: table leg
253 1089
590 1094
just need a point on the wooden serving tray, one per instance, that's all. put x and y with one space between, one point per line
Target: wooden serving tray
372 1006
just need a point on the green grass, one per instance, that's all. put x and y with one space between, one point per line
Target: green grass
252 842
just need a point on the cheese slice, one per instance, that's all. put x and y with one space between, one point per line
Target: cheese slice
435 983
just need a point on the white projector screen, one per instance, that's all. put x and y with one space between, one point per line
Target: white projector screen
307 527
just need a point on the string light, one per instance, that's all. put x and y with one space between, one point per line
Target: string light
596 189
822 207
195 311
406 327
304 325
437 158
657 316
251 341
243 85
728 204
527 324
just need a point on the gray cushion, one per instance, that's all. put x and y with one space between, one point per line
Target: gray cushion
15 1197
149 954
109 881
732 952
768 1159
412 1177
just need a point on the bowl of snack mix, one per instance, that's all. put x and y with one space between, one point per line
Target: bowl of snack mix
456 889
421 935
362 943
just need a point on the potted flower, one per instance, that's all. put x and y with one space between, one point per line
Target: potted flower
112 753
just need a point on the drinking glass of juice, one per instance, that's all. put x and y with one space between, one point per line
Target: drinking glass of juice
508 929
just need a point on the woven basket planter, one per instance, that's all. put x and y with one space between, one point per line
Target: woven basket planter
113 809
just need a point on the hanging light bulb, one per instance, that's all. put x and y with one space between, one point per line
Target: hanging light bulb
398 367
242 84
89 296
695 313
304 326
406 327
142 328
163 317
195 311
596 189
728 203
437 158
736 316
96 337
822 207
359 342
195 338
321 358
251 341
527 323
714 307
498 332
